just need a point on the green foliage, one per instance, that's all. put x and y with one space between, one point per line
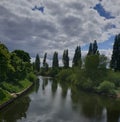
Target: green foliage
37 63
65 59
93 48
55 63
31 77
4 62
77 61
88 84
91 66
15 86
14 68
24 56
4 96
64 75
106 87
115 60
45 64
113 77
90 49
44 59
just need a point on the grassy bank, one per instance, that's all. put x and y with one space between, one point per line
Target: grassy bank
8 88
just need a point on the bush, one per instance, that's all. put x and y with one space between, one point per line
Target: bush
106 87
87 85
31 77
64 75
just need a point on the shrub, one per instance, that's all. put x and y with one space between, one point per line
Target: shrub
31 77
106 87
64 75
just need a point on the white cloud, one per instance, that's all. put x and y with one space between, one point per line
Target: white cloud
64 24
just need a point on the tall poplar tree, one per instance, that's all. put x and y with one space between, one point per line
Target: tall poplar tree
37 63
93 48
65 59
44 59
115 60
45 64
77 61
55 63
90 49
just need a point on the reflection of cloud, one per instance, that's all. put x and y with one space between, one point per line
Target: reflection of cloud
64 24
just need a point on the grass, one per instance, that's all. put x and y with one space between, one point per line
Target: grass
4 96
15 87
6 88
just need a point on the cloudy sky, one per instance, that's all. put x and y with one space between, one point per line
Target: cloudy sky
39 26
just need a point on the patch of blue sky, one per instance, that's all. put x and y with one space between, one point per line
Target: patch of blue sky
41 8
102 12
108 44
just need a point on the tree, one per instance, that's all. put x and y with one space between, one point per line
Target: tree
65 59
115 60
37 63
22 55
92 63
55 63
90 49
4 62
93 48
44 59
77 61
45 64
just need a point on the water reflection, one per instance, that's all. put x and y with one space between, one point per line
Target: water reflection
16 111
96 108
64 87
36 86
54 86
44 83
69 105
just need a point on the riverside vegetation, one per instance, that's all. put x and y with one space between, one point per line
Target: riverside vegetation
16 72
93 73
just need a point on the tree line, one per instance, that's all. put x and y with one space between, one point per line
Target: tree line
93 54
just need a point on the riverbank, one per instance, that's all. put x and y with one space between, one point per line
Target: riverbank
11 91
101 82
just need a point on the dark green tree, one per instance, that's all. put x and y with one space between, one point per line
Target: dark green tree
77 61
115 60
44 59
4 62
55 63
65 59
22 55
45 64
37 63
93 48
90 49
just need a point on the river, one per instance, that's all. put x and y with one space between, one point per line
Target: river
49 101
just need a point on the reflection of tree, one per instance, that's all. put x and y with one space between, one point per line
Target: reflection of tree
113 110
45 83
90 105
64 87
54 87
16 110
36 86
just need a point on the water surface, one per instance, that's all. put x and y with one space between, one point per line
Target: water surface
49 101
